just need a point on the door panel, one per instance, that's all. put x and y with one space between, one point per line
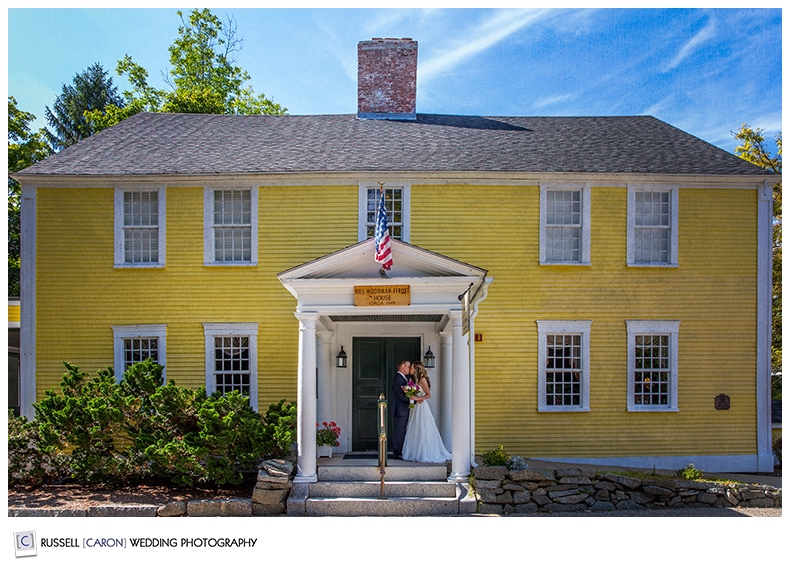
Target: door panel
374 360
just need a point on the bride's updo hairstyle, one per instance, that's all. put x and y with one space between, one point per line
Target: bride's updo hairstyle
420 372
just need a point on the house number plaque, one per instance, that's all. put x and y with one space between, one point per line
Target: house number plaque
381 295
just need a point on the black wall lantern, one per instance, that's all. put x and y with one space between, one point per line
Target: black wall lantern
342 358
430 359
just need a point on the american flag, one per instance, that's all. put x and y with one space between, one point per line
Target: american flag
382 237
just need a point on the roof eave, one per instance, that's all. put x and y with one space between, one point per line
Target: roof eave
433 177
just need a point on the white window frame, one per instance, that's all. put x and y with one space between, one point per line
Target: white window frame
674 193
209 256
118 203
362 208
249 330
586 199
638 328
121 333
582 328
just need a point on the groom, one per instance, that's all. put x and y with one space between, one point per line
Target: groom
401 408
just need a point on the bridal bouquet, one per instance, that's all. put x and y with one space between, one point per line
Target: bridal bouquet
411 389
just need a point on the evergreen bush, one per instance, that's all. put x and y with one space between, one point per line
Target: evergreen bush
141 430
496 458
28 464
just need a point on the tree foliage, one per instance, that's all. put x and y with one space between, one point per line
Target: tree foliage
24 149
203 78
91 90
753 149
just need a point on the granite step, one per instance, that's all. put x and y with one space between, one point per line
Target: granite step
418 490
370 473
372 489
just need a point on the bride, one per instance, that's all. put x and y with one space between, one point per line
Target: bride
423 442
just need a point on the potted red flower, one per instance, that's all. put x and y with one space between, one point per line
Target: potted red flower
326 438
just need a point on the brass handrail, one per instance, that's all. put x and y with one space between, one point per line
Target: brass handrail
382 442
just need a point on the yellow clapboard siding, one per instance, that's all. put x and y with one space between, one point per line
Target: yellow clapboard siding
294 227
712 293
498 228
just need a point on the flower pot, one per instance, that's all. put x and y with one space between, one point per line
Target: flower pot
323 451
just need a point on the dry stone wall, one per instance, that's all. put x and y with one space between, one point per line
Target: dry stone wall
502 491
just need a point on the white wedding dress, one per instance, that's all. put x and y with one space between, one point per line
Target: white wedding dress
423 443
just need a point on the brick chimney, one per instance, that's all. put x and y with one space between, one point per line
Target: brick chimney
387 79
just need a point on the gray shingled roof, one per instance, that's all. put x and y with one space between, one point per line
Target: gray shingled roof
199 144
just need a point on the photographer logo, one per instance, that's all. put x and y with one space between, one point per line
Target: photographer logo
25 543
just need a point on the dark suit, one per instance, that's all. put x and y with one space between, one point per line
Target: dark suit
400 413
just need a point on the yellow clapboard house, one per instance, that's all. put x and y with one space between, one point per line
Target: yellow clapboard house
588 289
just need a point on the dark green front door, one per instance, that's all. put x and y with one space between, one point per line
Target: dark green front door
374 361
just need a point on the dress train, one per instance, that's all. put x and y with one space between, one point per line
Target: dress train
423 442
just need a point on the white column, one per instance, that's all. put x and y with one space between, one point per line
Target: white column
27 301
326 405
306 399
446 382
765 457
461 467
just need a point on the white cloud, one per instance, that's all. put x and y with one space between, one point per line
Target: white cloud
659 107
702 36
503 24
553 100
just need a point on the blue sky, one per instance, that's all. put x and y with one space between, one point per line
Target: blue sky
705 71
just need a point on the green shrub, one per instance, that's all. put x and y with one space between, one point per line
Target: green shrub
280 421
143 430
689 472
28 464
84 424
496 458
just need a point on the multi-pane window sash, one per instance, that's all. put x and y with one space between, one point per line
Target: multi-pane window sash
232 225
139 349
141 227
651 372
135 343
393 200
652 227
653 365
563 226
232 364
563 370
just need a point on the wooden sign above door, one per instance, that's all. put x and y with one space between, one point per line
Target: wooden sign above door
382 295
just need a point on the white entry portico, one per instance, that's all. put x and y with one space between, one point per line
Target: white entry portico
443 295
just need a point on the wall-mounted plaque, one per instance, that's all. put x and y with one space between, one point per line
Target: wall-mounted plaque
381 295
722 401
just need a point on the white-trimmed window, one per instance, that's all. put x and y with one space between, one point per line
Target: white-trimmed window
565 224
232 359
564 365
139 227
231 226
396 200
652 226
135 343
652 365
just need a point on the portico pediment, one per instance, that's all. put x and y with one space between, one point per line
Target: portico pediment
327 284
357 262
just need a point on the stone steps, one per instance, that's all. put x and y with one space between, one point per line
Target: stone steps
362 473
394 489
419 490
